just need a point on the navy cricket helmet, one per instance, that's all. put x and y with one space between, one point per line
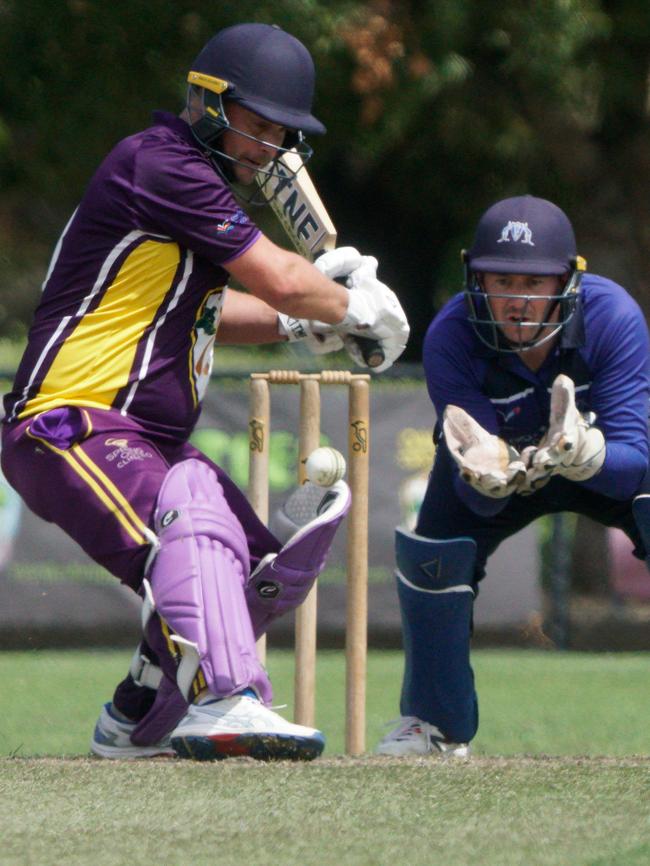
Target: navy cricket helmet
263 69
523 235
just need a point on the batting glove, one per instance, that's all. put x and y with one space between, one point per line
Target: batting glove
338 263
319 337
374 311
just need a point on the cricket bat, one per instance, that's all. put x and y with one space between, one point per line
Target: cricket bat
300 211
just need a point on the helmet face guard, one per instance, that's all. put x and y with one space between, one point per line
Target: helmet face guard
529 236
211 125
532 334
266 71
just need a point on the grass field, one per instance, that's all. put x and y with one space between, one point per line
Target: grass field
561 775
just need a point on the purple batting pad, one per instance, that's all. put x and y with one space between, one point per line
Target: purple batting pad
198 579
282 581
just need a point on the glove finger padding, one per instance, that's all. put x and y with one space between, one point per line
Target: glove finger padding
374 311
340 262
321 343
367 270
536 476
486 462
571 447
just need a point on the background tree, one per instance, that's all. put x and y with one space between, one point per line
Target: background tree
434 110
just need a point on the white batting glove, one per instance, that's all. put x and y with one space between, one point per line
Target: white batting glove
319 337
571 446
374 311
486 462
340 262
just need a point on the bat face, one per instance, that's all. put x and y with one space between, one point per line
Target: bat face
299 208
304 219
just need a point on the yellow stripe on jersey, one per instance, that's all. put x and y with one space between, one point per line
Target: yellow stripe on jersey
71 458
94 362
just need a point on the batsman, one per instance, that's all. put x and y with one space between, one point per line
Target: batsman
97 426
539 375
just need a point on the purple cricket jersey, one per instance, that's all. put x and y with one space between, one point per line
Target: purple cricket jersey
134 292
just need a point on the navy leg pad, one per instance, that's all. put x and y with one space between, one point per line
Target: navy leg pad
435 585
641 512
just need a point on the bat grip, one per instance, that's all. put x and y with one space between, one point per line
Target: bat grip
371 350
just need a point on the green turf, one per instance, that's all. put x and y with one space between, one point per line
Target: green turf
510 805
531 702
374 812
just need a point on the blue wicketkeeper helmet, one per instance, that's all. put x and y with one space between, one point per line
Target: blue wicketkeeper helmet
522 235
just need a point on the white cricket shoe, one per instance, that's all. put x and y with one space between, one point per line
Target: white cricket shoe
112 739
412 736
241 726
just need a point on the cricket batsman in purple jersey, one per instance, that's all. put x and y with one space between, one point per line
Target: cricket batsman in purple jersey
539 375
95 435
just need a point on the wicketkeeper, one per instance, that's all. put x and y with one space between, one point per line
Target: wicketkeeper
95 437
538 373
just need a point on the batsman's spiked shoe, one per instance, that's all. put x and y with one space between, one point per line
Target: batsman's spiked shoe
112 739
241 726
412 736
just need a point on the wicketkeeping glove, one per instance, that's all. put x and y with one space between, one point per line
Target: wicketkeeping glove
571 446
486 462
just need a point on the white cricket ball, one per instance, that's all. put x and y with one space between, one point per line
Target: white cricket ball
325 466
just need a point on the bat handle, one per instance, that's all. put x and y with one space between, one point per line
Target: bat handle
371 350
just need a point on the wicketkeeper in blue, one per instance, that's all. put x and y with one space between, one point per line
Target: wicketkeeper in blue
539 375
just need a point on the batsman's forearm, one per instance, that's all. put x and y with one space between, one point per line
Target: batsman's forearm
289 283
247 320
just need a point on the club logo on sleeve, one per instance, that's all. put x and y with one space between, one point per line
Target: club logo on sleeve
239 218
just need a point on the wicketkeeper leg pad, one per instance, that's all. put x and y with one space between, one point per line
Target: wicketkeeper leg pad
435 585
197 587
641 512
282 580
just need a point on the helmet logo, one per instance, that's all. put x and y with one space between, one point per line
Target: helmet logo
516 231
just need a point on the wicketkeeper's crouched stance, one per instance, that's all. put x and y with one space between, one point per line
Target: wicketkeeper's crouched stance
539 376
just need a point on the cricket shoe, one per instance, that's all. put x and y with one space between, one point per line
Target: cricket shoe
112 739
412 736
239 726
